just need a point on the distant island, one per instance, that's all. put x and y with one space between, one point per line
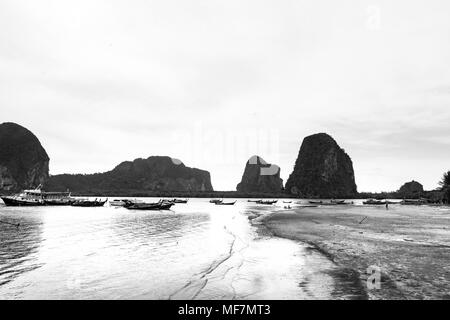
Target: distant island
322 170
154 174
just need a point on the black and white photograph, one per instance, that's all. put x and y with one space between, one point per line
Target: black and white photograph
245 151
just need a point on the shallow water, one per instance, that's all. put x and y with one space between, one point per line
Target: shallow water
195 251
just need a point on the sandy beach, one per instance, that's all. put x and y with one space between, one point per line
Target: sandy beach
410 244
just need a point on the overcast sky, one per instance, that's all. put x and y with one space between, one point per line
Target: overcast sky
214 82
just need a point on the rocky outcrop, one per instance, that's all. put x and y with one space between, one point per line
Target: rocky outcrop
322 170
23 160
151 174
411 189
260 177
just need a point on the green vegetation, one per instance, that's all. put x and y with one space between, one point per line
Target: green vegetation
445 187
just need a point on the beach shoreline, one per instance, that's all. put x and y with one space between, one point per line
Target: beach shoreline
410 246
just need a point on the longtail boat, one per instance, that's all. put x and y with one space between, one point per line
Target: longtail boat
179 200
88 203
221 203
374 202
267 202
160 205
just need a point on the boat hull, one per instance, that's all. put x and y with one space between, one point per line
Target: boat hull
151 206
88 204
11 202
179 200
268 203
58 202
225 203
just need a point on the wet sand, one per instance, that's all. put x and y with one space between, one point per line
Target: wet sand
410 244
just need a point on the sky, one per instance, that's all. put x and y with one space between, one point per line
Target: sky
213 83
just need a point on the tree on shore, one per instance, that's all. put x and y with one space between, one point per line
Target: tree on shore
445 186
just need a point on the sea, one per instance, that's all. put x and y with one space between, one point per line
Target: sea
196 250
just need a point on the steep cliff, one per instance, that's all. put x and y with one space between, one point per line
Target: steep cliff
23 160
322 170
151 174
260 176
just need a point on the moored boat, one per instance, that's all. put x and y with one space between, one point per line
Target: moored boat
179 200
88 203
160 205
413 202
374 202
221 203
117 202
37 197
315 202
144 206
267 202
18 201
166 205
25 198
215 201
58 198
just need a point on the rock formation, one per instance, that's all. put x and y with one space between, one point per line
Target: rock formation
411 189
260 177
23 160
152 174
322 170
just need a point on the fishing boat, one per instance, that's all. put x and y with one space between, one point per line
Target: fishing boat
58 198
374 202
166 205
118 202
413 202
128 202
144 206
221 203
179 200
21 201
25 198
88 203
37 197
160 205
267 202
